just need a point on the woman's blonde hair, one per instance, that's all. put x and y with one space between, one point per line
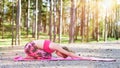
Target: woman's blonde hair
67 49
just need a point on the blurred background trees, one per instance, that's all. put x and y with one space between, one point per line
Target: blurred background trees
79 20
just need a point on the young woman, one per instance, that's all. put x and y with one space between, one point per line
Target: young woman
43 49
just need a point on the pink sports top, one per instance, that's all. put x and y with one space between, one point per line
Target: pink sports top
46 46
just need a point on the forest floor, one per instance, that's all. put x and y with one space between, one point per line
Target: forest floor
102 50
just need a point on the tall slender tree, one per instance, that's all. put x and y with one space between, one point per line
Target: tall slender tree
72 22
82 20
60 21
96 20
28 18
36 19
88 18
13 33
54 20
39 16
105 28
3 19
50 20
18 23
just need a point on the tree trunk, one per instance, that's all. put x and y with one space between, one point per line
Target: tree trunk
47 17
96 21
60 22
39 16
28 18
76 25
83 20
36 20
105 27
18 23
54 21
50 20
72 22
3 20
93 24
13 34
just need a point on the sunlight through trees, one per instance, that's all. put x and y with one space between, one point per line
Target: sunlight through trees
60 20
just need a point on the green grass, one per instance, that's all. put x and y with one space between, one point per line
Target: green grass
65 39
5 42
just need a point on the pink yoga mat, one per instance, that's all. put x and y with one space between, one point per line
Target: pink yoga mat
19 58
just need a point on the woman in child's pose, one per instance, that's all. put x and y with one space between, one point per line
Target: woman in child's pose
42 49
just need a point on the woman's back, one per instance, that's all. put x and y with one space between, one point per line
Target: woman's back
39 43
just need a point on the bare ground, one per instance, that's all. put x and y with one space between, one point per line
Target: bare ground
102 50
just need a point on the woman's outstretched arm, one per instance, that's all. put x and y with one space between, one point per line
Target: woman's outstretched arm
70 54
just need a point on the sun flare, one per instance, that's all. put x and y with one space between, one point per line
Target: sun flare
107 4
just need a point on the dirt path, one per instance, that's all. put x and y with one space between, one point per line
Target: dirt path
103 50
